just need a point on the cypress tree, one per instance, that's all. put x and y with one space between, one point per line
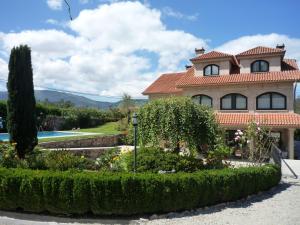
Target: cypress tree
21 114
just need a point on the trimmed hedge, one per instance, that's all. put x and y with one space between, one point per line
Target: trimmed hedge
127 194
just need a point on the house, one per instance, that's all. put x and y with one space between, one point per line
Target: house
256 85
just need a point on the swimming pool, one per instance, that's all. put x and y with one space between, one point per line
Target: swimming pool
46 134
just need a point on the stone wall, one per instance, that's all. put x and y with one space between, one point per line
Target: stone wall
101 141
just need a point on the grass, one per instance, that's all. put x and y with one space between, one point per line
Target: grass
105 129
108 128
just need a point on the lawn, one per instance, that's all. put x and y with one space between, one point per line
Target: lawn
105 129
108 128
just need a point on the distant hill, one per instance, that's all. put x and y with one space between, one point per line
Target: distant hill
78 101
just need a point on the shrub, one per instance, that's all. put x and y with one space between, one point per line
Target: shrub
215 157
64 160
74 192
8 157
175 120
106 161
156 159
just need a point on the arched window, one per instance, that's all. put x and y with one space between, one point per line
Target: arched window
203 100
233 102
260 66
211 69
271 101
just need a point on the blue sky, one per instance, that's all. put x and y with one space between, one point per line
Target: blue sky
133 42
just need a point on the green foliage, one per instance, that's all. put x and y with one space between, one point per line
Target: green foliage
105 162
175 120
71 117
64 160
21 111
74 192
9 159
215 157
156 159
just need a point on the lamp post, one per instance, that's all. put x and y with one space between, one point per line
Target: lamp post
134 123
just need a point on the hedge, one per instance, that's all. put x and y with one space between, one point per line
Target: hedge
127 194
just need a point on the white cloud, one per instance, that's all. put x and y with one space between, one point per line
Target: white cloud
292 45
3 69
107 53
55 4
168 11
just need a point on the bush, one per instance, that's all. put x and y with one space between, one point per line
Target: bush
176 120
64 160
156 159
74 192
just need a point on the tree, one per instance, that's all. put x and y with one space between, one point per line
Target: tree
126 105
21 111
175 121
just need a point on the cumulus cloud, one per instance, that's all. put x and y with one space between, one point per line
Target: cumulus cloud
106 53
55 4
241 44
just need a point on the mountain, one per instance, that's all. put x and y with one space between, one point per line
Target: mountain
78 101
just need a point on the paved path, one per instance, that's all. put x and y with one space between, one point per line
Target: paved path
281 206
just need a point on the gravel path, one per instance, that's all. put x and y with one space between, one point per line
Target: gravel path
281 205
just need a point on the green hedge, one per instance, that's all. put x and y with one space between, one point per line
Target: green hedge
126 194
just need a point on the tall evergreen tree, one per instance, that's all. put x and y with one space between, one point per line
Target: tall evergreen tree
21 114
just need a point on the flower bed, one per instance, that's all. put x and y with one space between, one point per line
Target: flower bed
73 192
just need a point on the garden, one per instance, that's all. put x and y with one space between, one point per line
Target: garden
180 162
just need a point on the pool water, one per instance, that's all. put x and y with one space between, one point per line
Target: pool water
44 134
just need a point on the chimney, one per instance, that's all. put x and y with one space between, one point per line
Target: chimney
199 51
282 46
187 67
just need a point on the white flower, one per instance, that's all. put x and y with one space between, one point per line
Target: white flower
236 133
240 133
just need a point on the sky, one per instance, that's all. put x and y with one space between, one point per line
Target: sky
113 47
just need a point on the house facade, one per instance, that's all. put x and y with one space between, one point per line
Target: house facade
256 85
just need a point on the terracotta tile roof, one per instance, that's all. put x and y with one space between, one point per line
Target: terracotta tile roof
165 84
289 64
212 55
267 119
242 78
260 50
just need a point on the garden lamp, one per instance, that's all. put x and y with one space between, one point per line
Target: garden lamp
134 123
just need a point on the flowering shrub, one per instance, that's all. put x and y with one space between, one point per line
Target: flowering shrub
255 142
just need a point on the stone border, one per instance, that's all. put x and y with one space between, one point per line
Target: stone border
99 141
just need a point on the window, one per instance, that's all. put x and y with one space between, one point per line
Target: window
203 100
271 100
211 70
260 66
233 102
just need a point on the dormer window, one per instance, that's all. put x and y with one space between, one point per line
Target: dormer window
211 69
202 100
260 66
